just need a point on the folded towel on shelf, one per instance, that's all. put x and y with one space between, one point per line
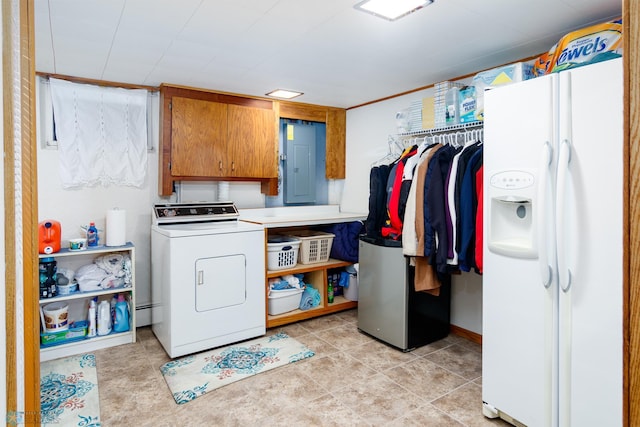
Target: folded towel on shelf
106 271
294 281
310 298
277 283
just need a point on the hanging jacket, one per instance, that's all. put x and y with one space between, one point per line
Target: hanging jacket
479 219
377 200
467 212
393 228
436 197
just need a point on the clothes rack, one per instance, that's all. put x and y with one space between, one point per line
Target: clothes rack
456 135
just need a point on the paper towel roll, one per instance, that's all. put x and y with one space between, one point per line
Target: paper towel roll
116 227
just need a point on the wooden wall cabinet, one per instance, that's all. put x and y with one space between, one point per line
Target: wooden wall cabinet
208 135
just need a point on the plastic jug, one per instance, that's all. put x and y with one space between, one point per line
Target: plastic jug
49 232
104 318
121 323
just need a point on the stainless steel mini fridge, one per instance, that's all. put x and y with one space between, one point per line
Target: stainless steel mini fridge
388 306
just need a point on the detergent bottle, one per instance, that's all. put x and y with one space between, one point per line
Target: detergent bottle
92 235
122 315
104 318
91 317
49 232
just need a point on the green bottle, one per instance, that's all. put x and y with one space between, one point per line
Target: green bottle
330 292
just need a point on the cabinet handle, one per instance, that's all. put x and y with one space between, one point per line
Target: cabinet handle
233 166
200 277
220 164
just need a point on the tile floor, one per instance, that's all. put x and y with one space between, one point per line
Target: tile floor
353 380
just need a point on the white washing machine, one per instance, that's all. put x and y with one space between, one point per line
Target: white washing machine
207 277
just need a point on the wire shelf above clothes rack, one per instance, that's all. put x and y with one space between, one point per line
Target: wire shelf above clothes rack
447 129
455 134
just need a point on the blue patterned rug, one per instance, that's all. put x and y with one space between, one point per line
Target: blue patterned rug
69 392
195 375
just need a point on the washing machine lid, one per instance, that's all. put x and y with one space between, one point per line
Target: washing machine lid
197 212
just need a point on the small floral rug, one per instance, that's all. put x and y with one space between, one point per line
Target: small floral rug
69 392
194 375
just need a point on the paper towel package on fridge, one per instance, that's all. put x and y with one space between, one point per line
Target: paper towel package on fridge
591 44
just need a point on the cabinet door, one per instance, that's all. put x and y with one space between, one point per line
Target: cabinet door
198 137
336 143
252 142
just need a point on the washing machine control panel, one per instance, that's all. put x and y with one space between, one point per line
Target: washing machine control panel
169 213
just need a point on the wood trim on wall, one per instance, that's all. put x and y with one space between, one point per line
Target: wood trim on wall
29 377
631 318
29 212
95 82
465 333
9 210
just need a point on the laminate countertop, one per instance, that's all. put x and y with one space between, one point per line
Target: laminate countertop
294 216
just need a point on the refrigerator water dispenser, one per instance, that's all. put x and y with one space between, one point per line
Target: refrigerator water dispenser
512 230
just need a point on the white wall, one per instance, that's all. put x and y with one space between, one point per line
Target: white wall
368 130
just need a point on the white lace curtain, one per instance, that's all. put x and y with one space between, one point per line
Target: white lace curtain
101 134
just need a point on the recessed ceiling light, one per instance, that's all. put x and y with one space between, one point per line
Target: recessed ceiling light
391 9
284 94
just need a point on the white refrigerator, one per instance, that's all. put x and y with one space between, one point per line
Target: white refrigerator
553 249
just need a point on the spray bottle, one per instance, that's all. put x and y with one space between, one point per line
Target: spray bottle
92 319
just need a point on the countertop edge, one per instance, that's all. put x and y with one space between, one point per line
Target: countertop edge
303 220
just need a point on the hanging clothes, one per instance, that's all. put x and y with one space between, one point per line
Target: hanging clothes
425 278
455 186
436 197
419 217
393 224
479 219
409 237
377 200
467 212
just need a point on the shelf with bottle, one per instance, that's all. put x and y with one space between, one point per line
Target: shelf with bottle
73 337
66 252
68 334
316 276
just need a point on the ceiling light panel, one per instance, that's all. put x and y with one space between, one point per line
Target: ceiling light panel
391 9
284 94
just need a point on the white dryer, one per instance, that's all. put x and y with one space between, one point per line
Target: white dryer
207 277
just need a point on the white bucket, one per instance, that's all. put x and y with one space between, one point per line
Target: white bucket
56 317
351 291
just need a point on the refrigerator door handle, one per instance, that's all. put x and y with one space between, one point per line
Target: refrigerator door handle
564 273
543 177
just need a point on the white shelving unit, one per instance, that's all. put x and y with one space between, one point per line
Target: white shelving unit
79 301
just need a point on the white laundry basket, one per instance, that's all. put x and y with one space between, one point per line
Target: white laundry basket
282 252
315 246
282 301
